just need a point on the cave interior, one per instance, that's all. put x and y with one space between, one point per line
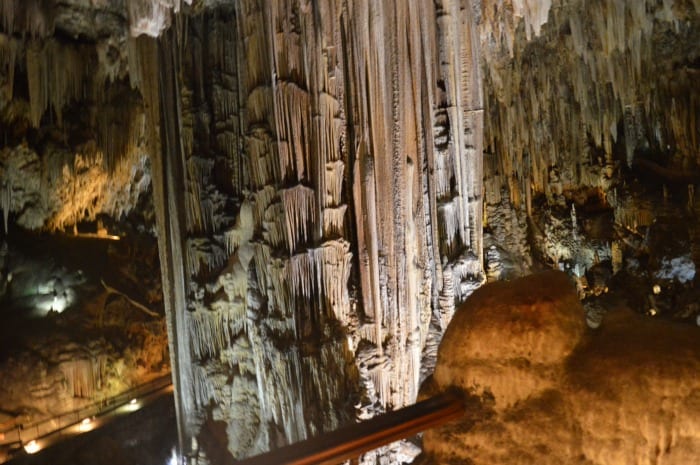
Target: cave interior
283 204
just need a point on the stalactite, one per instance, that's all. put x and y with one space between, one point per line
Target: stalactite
449 225
299 210
56 73
334 221
202 251
292 105
333 262
202 389
301 272
198 173
121 130
447 297
8 57
263 166
28 16
243 230
613 65
210 332
83 376
633 214
334 183
262 259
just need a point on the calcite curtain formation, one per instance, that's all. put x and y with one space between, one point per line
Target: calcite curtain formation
316 170
317 184
579 89
73 128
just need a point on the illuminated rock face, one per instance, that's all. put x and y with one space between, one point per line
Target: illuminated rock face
331 210
576 98
509 338
317 173
546 391
316 179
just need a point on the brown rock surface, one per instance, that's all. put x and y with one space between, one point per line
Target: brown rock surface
625 394
513 334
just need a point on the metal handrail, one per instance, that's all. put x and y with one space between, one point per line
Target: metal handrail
20 431
353 440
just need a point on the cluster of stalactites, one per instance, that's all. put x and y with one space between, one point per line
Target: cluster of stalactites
594 76
83 376
57 75
302 145
61 74
32 17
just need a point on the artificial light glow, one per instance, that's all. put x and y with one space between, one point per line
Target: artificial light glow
59 304
99 235
85 425
32 447
173 460
45 302
132 406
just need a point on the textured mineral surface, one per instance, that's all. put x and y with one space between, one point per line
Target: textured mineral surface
543 389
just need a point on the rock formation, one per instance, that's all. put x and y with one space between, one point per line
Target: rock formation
317 197
543 390
323 177
300 163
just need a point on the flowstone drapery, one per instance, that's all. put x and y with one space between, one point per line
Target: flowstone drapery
316 178
329 160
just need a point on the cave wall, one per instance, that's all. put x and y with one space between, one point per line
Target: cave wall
315 174
73 127
316 171
591 142
580 93
331 209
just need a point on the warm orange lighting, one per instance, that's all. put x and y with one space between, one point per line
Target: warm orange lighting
99 235
32 447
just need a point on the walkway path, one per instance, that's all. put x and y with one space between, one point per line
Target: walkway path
39 435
